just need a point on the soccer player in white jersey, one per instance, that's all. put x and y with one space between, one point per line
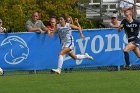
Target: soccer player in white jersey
67 41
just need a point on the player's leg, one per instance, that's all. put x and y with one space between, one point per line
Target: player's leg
129 47
64 51
137 52
78 56
67 47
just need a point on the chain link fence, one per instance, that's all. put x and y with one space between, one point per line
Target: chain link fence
73 70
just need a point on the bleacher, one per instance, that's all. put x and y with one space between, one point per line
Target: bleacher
103 9
138 10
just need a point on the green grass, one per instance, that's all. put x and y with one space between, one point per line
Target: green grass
76 82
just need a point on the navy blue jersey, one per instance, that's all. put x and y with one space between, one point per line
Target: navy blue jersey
131 28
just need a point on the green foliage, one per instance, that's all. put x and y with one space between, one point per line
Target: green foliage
15 13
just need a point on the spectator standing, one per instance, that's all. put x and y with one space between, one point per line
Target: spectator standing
75 22
2 29
114 21
70 20
35 25
52 26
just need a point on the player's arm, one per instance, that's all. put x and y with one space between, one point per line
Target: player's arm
120 28
121 25
77 28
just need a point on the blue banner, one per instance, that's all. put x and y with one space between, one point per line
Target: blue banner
32 51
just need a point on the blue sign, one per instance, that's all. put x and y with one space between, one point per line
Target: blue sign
32 51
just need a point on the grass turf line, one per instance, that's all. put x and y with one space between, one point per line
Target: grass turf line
76 82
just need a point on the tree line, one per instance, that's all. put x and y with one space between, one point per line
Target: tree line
15 13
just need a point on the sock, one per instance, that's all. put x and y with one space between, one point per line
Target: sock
60 61
126 56
81 56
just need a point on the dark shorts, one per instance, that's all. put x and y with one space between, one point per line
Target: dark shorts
135 41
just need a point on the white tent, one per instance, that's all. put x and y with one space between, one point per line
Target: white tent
107 1
111 1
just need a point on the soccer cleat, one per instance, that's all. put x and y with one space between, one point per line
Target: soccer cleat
88 56
1 72
58 71
126 68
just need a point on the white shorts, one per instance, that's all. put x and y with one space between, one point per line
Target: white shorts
69 44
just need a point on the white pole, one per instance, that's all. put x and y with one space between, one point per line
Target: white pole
91 1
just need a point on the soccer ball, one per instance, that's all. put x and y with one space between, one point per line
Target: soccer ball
1 71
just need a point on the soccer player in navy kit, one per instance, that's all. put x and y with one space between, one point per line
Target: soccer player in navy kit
131 27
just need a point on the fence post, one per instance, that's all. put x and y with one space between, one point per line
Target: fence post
91 1
119 68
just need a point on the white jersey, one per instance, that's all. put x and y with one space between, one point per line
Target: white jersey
65 33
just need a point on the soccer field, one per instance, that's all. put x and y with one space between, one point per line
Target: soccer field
75 82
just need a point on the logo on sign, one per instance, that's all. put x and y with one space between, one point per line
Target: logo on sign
16 50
